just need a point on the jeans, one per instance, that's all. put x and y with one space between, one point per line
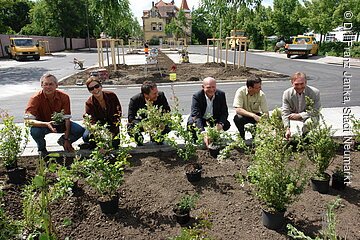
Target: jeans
38 134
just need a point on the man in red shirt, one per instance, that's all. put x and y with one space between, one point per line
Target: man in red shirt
38 115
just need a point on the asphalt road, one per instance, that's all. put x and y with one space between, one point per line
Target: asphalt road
21 80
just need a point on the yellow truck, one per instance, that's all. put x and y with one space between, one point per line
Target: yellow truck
21 48
302 46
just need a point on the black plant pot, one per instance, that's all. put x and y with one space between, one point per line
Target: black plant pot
338 182
214 152
321 185
193 172
60 128
16 175
273 220
109 206
182 216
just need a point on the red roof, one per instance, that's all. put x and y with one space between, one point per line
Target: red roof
184 5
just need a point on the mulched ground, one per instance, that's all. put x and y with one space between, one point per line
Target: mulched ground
135 74
155 182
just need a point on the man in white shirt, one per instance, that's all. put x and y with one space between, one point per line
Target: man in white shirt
209 107
249 103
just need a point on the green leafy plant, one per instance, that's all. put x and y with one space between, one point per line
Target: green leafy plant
37 197
198 231
153 121
321 148
100 170
188 150
319 144
275 182
13 140
187 202
329 227
58 117
217 138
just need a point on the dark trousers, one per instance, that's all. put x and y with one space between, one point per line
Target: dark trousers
139 139
240 122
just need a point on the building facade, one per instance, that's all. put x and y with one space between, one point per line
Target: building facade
160 14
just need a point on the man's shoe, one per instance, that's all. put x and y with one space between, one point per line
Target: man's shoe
84 145
61 140
43 153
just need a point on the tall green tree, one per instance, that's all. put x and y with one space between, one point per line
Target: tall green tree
286 17
321 16
14 14
114 17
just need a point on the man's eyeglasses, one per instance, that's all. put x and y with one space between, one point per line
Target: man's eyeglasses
93 87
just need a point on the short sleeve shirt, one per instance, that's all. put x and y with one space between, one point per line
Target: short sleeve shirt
41 107
255 103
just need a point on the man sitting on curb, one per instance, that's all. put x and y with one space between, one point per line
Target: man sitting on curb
149 93
250 104
294 105
38 115
208 107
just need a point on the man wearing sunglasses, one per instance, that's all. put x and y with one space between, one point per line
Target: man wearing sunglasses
38 115
149 93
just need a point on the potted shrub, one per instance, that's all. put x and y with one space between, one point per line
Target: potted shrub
193 172
274 181
216 140
183 207
13 140
154 120
103 170
321 149
58 121
338 179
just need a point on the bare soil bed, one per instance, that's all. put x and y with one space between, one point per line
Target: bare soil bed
155 182
135 74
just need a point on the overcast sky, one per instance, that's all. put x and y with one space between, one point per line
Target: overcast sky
137 6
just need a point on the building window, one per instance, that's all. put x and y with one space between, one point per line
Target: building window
348 38
153 26
330 37
160 27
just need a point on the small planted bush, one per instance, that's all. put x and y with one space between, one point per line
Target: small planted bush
153 121
103 170
187 202
13 140
275 181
